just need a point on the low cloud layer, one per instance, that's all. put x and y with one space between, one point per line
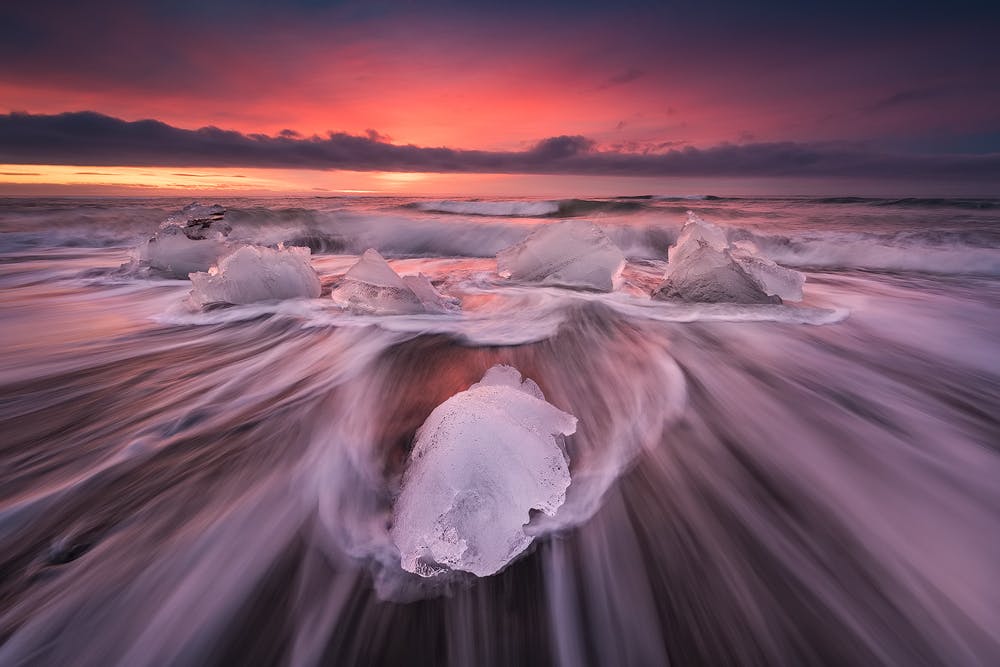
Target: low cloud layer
94 139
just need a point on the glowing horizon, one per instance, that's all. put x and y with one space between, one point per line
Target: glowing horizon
642 80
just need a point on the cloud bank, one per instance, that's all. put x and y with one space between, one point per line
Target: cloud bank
95 139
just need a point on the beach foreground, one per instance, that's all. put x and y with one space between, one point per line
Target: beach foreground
797 483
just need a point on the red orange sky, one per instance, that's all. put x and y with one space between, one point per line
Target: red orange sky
633 78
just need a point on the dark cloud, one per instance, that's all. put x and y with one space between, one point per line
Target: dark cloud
95 139
620 79
908 97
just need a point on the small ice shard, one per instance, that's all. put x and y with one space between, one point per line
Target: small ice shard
775 279
257 273
574 253
704 267
190 240
483 460
370 286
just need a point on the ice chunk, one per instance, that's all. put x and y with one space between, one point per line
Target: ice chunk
774 279
700 273
704 267
370 286
172 252
432 300
483 460
571 254
256 273
190 240
698 229
198 220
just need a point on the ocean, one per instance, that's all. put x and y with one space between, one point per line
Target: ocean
796 484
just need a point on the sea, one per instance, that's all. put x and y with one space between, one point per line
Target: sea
811 483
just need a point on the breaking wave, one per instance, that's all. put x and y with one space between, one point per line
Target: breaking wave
561 208
801 233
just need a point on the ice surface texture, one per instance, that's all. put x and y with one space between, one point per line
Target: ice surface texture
198 219
190 240
257 273
704 267
775 279
574 253
482 461
371 287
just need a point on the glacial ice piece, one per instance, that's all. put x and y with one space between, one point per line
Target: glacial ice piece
483 460
370 286
704 267
198 220
773 278
706 275
190 240
696 230
432 300
172 252
570 254
257 273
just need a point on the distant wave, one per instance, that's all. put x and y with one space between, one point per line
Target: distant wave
519 209
914 202
935 253
687 198
942 203
559 208
564 208
928 243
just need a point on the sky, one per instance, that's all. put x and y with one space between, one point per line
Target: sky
629 97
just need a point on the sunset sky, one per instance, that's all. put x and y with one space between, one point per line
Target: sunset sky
523 97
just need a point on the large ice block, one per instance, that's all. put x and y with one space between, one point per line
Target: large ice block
703 274
257 273
370 286
193 239
483 461
703 266
574 253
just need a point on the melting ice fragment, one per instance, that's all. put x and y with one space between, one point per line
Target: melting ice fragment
704 267
198 220
697 231
256 273
702 274
370 286
190 240
574 253
775 279
482 461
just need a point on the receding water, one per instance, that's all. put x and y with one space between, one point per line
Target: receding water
800 484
